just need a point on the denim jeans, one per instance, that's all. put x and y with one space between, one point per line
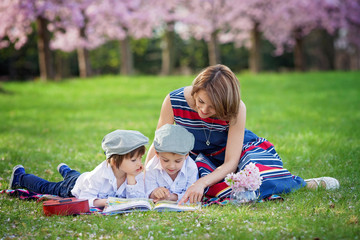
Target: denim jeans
39 185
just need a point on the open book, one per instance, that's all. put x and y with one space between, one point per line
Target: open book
123 205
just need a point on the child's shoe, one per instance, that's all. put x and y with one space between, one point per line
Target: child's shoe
63 169
14 182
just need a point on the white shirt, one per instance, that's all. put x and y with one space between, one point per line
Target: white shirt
101 183
156 176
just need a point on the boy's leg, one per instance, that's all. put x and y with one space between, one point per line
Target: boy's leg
17 171
39 185
63 169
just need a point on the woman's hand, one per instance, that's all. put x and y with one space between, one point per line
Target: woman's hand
193 194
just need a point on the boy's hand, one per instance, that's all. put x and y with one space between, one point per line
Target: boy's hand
160 193
173 197
131 176
131 179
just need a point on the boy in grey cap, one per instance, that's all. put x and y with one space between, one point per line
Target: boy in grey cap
171 171
120 175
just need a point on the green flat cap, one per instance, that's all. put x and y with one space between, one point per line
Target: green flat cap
122 142
174 139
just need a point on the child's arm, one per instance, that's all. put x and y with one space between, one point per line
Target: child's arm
135 187
151 178
100 202
131 179
192 176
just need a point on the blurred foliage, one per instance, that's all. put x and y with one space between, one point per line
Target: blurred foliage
22 63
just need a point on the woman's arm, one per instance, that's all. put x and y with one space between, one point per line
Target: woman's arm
166 116
232 157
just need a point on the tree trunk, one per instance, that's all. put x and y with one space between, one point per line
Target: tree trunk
127 63
83 57
255 49
213 48
168 51
299 51
328 43
45 55
84 63
58 66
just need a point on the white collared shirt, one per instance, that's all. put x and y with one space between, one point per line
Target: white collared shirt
101 183
156 176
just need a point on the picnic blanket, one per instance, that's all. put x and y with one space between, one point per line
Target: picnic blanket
24 194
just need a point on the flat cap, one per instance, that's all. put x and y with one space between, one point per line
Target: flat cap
174 139
122 142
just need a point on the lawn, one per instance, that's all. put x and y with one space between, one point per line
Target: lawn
312 119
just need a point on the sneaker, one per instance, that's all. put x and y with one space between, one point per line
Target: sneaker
328 183
17 171
63 169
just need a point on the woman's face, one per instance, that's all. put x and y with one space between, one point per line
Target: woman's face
203 104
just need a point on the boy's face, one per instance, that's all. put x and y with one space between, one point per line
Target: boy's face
132 166
171 162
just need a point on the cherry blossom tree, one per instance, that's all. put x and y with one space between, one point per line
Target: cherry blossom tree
294 19
105 20
248 22
121 20
70 32
221 21
207 20
16 18
164 16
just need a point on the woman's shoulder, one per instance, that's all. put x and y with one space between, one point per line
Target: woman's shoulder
178 91
181 96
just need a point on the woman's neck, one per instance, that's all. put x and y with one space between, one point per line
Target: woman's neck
189 99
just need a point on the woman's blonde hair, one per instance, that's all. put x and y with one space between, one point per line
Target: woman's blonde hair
223 89
118 159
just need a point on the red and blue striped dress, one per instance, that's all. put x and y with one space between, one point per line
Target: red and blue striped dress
276 179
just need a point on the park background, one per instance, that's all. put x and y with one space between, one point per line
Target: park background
52 110
50 39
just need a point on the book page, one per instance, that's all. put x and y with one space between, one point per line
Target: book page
162 206
123 204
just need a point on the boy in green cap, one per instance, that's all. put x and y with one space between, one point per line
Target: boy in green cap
171 171
120 175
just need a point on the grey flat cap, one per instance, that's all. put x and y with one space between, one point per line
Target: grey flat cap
173 138
122 142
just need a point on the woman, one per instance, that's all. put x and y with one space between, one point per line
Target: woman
212 110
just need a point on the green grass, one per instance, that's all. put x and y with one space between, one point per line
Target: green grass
312 118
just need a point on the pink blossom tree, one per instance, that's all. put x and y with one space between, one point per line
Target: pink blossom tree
221 21
207 19
165 14
293 20
16 18
247 22
121 20
105 20
71 32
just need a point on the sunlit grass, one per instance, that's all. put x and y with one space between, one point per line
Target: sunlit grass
311 118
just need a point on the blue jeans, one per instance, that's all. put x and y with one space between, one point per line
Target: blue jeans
39 185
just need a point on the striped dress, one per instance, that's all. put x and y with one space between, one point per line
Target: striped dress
276 179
